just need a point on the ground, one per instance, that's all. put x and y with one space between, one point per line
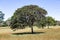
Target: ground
24 34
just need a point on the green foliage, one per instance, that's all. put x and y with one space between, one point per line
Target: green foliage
42 22
26 16
50 21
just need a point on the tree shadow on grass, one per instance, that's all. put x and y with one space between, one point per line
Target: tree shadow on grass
28 33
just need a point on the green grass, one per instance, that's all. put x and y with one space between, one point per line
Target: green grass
43 34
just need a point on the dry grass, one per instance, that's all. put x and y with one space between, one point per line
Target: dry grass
43 34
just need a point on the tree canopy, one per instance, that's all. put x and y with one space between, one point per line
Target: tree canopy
26 16
50 21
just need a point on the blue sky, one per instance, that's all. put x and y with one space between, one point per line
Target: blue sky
8 7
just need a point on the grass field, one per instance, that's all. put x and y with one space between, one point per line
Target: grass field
24 34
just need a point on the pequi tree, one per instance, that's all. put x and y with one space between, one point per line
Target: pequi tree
26 16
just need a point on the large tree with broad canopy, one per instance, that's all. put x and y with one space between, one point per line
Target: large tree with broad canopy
26 16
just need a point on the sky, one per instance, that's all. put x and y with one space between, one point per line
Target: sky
8 7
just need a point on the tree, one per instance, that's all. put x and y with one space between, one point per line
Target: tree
50 21
26 16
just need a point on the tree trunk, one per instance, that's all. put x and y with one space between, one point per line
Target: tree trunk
48 25
42 27
32 29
